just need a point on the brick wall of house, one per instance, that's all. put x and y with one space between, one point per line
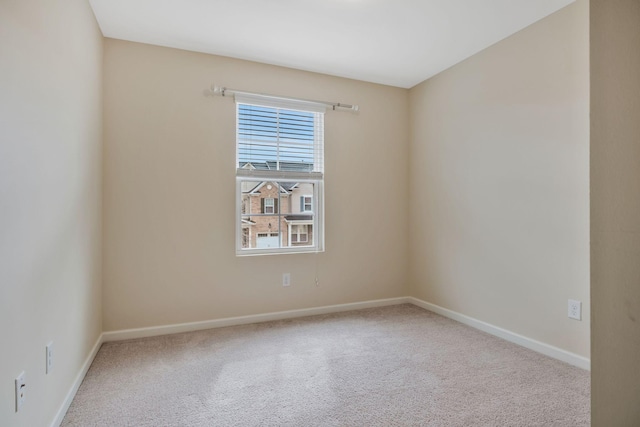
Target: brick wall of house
263 222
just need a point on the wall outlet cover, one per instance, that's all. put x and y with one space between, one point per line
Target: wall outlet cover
575 309
21 386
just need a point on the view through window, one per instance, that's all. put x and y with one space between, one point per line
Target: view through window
279 177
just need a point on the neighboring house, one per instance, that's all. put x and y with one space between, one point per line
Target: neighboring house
276 213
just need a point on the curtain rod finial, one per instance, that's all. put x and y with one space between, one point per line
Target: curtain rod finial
215 90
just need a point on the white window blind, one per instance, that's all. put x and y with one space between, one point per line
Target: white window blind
284 140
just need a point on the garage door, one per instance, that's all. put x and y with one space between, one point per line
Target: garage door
266 240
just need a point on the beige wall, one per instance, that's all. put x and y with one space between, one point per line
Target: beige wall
615 212
50 192
490 158
499 185
169 253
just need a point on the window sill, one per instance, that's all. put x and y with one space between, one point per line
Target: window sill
278 251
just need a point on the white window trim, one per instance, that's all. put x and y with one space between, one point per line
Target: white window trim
315 177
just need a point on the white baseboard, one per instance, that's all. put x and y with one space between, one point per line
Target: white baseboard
76 383
540 347
243 320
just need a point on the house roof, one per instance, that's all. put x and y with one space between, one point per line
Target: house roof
285 187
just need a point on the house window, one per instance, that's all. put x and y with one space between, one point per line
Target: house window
267 234
246 238
279 175
299 233
269 206
306 203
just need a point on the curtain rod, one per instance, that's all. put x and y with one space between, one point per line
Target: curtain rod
225 91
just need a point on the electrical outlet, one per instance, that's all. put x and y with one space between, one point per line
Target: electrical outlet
575 309
286 279
21 386
49 358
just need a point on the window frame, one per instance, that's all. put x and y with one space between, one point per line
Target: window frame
279 176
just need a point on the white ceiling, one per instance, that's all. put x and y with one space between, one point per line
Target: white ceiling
394 42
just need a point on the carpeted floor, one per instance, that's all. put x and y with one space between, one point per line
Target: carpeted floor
389 366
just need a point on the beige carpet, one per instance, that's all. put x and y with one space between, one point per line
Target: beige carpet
390 366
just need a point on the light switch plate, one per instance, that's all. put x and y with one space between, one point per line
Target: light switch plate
49 357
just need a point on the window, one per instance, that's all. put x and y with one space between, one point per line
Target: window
269 206
306 204
246 237
299 234
279 175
